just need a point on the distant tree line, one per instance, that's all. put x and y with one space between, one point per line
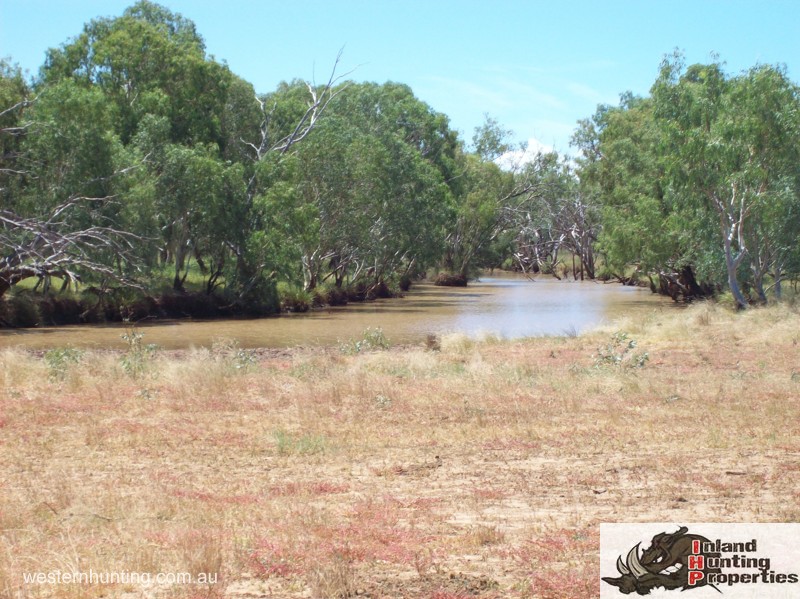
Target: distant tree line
148 178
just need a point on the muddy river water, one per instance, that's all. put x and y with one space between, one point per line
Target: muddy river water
506 305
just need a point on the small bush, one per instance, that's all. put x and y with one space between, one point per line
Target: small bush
618 353
138 356
372 339
23 310
59 310
405 283
183 305
448 280
335 296
60 360
293 299
236 359
433 342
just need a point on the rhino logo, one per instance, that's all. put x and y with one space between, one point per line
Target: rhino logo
665 563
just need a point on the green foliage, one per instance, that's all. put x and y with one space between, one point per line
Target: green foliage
490 139
171 78
22 310
367 187
294 299
138 356
618 353
60 360
481 213
371 340
164 142
288 444
701 175
14 92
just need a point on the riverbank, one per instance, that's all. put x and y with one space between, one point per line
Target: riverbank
26 307
506 306
456 469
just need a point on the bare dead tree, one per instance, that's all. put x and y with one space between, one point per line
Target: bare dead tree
51 247
555 216
319 98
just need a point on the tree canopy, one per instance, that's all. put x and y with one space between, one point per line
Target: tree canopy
699 181
135 159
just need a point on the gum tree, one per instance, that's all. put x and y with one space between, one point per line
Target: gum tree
62 171
732 144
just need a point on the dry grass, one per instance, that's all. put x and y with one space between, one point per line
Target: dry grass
481 470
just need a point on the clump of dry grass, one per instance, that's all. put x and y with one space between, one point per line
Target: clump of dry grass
479 469
332 580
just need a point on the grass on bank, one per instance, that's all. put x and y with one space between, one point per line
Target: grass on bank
460 469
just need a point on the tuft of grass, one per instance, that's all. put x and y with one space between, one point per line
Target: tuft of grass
333 579
234 359
482 535
288 444
456 343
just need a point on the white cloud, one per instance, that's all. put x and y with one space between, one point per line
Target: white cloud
586 92
471 93
517 158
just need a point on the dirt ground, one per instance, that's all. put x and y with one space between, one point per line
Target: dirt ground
461 469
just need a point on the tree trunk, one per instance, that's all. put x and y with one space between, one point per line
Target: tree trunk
731 264
778 275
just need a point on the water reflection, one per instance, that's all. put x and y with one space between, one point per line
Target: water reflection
508 306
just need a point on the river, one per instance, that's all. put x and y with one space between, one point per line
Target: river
505 305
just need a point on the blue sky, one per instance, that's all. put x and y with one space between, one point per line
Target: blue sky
537 67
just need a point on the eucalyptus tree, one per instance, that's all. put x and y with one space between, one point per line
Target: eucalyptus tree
770 128
61 215
147 61
169 108
732 147
481 190
621 164
364 199
207 139
481 215
15 99
405 178
699 183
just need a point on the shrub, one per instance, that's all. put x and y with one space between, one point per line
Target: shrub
59 361
288 444
293 299
448 280
23 310
372 339
137 358
235 359
618 353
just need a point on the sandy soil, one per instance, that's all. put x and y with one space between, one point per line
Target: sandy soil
482 469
